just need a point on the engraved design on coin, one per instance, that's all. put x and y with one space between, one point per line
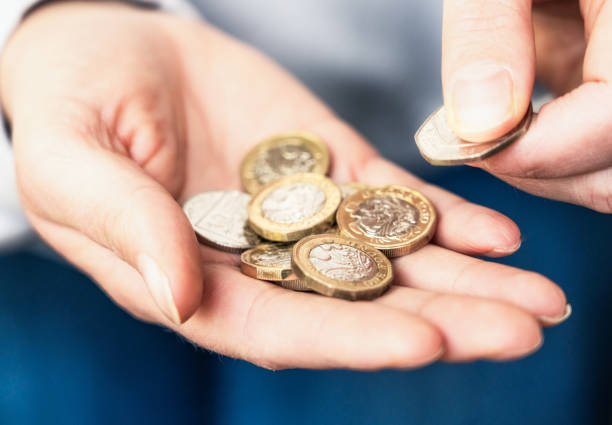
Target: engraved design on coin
342 262
385 217
293 203
274 256
283 160
221 218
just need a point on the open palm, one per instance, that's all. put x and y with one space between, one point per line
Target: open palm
119 115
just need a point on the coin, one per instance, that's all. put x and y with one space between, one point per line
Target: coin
283 155
292 282
267 261
272 262
394 219
294 206
219 219
440 146
349 188
341 267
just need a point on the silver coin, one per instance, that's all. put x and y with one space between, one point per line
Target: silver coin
342 262
283 160
385 217
220 219
274 255
293 203
440 146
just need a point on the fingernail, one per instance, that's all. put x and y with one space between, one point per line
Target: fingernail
482 99
511 355
552 321
504 250
438 355
159 287
493 234
432 359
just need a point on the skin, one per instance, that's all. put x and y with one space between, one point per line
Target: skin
567 153
120 114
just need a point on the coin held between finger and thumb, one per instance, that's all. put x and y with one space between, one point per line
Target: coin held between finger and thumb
440 146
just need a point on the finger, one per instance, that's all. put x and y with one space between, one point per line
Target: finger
472 328
262 323
470 276
462 226
592 190
572 134
114 203
560 43
488 65
275 328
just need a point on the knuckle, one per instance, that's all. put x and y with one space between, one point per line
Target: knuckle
477 18
598 195
144 123
114 226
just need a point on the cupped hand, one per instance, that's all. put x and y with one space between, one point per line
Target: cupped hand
119 115
491 56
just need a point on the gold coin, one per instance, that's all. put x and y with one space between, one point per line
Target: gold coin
352 187
292 282
283 155
272 262
440 146
341 267
219 219
293 207
394 219
267 261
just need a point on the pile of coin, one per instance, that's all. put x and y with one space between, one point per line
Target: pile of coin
297 228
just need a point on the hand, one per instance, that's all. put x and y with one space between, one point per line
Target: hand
117 113
489 65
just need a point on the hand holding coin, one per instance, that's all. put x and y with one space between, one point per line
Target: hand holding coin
489 65
103 169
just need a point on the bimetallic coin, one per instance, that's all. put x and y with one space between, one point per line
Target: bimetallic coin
394 219
440 146
294 206
219 219
292 282
283 155
272 262
341 267
349 188
267 261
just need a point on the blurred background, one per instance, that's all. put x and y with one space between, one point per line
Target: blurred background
68 355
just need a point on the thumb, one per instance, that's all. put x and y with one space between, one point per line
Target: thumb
66 176
488 66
